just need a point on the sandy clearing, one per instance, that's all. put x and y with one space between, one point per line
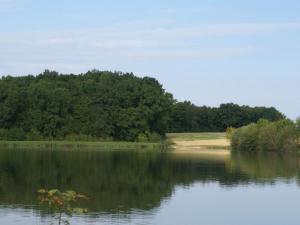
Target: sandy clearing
201 143
204 143
214 148
202 151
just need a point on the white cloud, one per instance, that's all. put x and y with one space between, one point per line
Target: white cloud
124 44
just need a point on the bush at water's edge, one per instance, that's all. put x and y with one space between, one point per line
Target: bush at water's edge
281 135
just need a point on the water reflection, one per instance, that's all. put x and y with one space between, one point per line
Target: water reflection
266 166
125 182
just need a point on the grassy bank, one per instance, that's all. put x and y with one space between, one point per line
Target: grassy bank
196 136
187 141
79 145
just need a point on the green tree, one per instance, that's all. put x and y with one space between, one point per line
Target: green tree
298 125
61 203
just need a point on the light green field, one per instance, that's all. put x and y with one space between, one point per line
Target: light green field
79 145
195 136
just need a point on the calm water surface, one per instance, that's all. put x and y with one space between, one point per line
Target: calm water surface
140 187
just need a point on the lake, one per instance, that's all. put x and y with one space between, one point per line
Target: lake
150 187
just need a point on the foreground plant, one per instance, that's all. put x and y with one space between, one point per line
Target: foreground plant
61 203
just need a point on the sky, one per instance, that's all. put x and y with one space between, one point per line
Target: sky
209 52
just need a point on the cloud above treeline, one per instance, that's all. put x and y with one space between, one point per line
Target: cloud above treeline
140 41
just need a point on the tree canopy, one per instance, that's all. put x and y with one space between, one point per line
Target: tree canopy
97 104
187 117
107 105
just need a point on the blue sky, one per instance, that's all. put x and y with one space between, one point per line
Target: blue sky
209 52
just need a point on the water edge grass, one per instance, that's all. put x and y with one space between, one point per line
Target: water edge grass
112 145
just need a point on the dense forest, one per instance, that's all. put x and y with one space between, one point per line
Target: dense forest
107 105
187 117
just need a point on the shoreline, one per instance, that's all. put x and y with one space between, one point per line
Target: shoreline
205 143
113 145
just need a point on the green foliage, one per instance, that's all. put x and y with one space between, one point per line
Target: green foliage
34 135
142 138
149 137
187 117
3 134
229 132
101 105
91 106
267 136
154 137
61 203
245 138
298 125
15 134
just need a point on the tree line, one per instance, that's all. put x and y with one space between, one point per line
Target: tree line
107 105
187 117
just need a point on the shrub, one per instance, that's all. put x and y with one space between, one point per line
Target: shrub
287 135
249 137
298 125
266 136
229 132
34 135
142 138
154 137
16 134
236 139
149 137
3 134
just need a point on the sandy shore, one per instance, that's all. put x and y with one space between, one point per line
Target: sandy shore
202 143
217 149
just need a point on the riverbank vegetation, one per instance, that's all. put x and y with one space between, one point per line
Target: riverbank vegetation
83 145
264 135
107 106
